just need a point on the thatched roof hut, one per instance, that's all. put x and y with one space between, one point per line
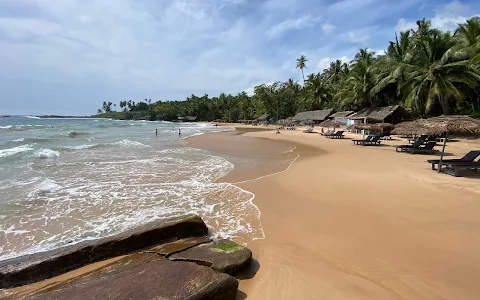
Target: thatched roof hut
187 119
263 118
341 114
388 114
331 123
316 116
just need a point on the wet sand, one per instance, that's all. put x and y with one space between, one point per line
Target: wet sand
353 222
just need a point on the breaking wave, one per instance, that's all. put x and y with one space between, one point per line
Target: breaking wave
15 150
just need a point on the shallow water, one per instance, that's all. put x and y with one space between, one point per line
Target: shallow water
63 181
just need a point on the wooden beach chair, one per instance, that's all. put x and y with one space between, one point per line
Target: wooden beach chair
375 141
454 168
336 135
358 142
469 157
404 148
423 138
424 149
327 133
309 130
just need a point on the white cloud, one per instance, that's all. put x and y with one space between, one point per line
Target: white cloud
279 29
378 51
324 63
358 39
447 17
404 25
328 28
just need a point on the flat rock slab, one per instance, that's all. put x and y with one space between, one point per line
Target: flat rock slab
32 268
180 245
223 256
149 278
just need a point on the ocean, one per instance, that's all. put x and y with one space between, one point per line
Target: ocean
63 181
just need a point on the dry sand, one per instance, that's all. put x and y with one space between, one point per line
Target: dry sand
353 222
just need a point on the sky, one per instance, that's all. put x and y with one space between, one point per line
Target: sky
67 57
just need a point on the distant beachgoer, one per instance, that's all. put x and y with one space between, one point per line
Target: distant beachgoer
179 132
156 131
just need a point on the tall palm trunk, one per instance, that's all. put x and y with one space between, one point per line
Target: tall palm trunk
444 104
303 76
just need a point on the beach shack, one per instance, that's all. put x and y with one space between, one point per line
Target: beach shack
263 119
388 114
187 119
314 116
341 116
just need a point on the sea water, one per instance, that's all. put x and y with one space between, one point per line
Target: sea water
63 181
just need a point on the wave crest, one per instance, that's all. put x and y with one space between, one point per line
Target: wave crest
47 153
15 150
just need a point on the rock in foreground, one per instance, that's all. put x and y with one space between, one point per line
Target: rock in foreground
147 276
223 256
32 268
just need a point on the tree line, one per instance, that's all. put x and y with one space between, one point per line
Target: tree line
427 71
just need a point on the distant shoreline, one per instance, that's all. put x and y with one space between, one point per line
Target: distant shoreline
63 117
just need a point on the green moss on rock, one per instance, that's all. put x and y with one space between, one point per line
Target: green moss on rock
228 247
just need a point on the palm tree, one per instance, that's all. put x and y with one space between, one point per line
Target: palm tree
301 64
436 73
317 92
334 72
468 34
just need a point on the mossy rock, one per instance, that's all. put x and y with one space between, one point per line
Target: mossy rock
223 256
227 246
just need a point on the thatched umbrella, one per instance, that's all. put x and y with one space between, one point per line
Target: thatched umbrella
447 125
378 127
331 123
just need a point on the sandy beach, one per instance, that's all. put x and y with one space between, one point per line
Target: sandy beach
352 222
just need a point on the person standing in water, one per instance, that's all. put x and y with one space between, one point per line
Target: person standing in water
156 132
179 132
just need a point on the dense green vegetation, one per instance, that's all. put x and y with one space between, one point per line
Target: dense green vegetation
427 71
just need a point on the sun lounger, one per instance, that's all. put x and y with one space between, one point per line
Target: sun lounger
421 138
469 157
336 135
453 168
327 133
309 130
358 142
427 149
371 140
375 141
403 148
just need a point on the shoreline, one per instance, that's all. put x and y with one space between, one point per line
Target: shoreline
363 223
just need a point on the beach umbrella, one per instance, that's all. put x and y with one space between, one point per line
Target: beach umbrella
377 127
331 123
442 125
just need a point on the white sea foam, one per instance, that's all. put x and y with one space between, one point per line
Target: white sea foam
32 117
79 147
93 194
19 140
15 150
43 188
6 127
11 230
47 153
129 143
